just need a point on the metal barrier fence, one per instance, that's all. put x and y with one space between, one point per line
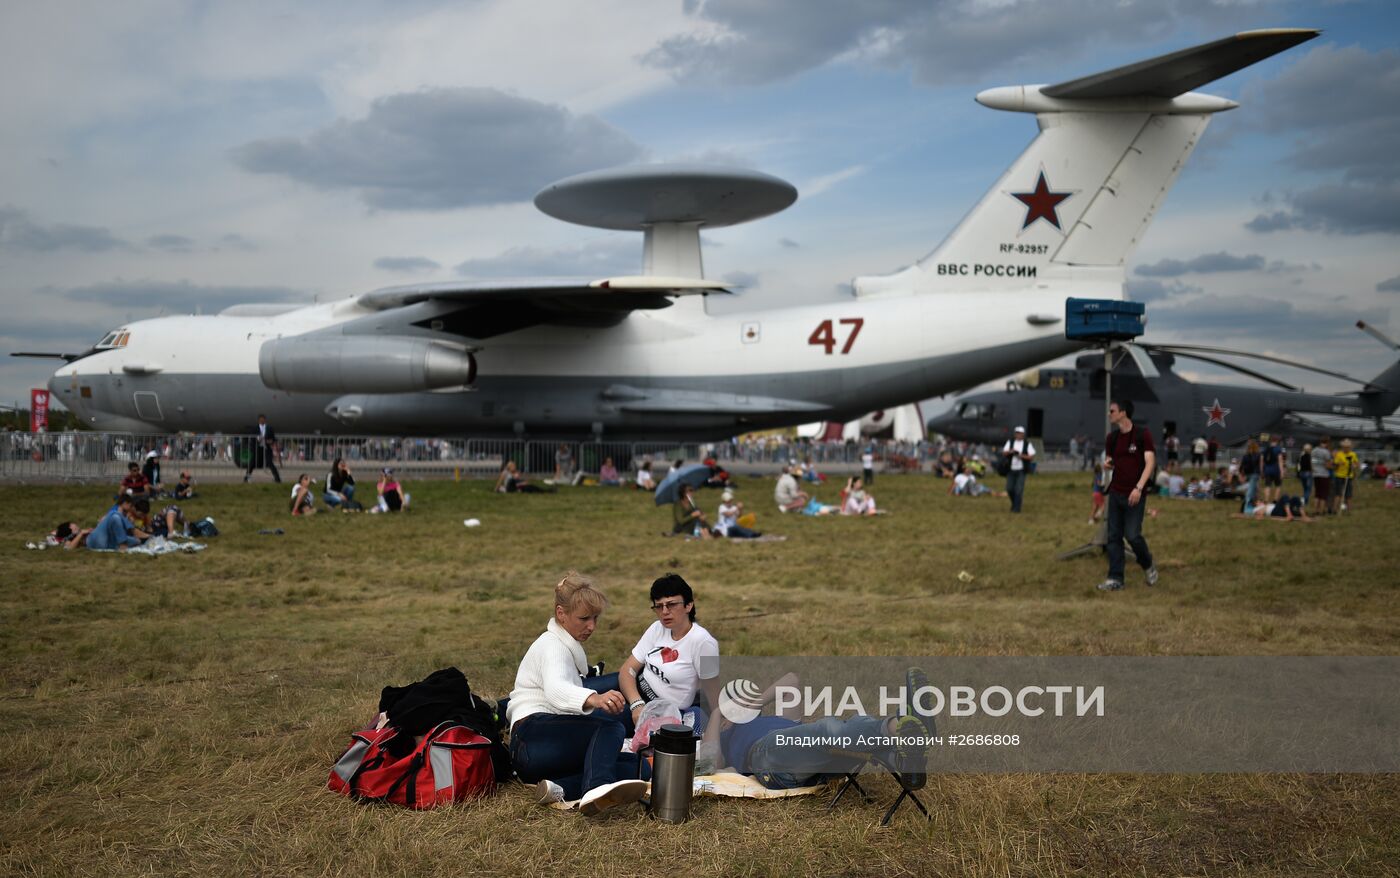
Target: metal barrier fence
84 456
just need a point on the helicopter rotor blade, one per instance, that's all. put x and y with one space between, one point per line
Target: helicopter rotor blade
1377 335
1243 370
1185 349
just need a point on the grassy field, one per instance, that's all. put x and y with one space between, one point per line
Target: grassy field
179 715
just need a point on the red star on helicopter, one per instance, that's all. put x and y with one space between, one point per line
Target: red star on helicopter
1215 414
1041 203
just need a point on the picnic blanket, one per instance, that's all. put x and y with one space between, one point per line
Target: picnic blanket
730 784
153 546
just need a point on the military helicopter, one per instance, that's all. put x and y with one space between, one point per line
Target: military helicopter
1055 405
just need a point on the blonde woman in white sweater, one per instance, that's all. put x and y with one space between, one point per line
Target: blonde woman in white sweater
564 737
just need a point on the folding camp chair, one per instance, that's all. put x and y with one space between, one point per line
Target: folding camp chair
908 784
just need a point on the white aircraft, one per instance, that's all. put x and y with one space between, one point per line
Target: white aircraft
637 357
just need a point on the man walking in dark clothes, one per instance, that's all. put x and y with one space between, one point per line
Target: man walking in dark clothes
1130 455
264 450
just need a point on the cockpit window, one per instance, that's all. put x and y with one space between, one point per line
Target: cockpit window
117 338
975 411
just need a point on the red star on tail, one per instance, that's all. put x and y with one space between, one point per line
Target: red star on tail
1042 203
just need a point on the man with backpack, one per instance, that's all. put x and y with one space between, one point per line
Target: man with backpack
1130 455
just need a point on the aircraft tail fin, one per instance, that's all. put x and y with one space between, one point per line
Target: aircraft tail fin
1381 395
1076 202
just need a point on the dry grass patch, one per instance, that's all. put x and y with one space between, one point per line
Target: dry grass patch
178 716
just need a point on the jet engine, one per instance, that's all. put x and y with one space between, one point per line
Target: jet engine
356 364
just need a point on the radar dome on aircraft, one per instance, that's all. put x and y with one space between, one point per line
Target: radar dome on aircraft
669 203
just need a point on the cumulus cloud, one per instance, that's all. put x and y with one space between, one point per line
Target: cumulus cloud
619 256
445 148
938 42
1340 208
1271 323
1153 290
1209 262
1392 285
1327 103
170 243
20 233
178 296
406 264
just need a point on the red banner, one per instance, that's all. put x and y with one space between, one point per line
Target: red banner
38 410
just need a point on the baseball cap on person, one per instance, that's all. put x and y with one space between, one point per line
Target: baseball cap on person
1019 430
727 495
153 453
388 471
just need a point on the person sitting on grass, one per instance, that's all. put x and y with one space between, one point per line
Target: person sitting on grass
169 522
727 520
135 484
607 474
857 502
564 737
1286 509
787 495
117 530
392 496
965 484
510 481
184 488
689 519
675 661
70 535
303 500
644 480
340 486
151 470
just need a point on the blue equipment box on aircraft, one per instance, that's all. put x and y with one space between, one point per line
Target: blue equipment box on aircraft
1104 319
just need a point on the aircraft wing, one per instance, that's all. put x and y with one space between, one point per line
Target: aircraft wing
606 294
1167 76
663 400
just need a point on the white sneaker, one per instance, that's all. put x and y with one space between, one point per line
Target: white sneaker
600 799
549 792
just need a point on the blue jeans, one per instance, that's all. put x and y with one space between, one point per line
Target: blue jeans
332 500
789 765
111 533
1251 490
1307 479
1125 523
578 752
1016 488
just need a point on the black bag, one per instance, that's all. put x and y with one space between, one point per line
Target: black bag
444 695
204 528
1002 465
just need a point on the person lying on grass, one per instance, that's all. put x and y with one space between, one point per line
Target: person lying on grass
1286 509
70 535
783 753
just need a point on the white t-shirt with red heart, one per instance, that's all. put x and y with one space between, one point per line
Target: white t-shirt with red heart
673 669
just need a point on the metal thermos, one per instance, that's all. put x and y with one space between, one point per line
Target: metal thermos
672 772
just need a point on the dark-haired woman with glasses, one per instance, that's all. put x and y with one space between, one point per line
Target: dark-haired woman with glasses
675 660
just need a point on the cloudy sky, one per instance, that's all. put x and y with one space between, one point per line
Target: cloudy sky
172 157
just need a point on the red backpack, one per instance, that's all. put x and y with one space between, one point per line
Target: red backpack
451 763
